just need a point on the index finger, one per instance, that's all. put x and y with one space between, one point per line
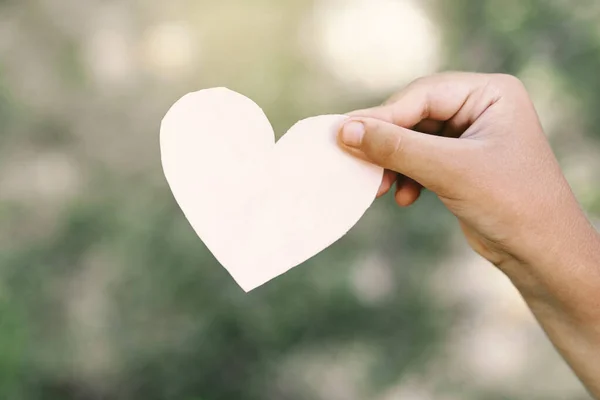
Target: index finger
437 97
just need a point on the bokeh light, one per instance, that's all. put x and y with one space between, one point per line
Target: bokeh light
375 44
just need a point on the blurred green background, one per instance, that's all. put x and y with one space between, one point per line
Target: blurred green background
107 293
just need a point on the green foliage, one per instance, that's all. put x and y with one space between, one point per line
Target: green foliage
12 349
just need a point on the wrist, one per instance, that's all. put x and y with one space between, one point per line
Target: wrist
560 270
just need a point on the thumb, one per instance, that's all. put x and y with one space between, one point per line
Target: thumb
433 161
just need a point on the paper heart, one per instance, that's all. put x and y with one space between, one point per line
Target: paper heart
261 208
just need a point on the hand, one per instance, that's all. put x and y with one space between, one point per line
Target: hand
476 141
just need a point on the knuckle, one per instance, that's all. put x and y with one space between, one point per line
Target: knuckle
388 147
508 82
419 81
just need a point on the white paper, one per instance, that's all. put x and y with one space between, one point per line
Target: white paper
261 208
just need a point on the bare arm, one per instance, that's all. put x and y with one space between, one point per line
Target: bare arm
476 141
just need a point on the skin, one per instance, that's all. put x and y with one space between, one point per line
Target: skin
476 141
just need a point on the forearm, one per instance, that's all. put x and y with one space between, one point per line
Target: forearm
561 285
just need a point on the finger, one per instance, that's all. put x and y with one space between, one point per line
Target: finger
389 177
428 159
400 179
437 97
429 126
407 193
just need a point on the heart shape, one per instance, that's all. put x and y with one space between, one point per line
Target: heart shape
261 208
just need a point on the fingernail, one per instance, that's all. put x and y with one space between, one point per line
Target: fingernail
353 133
